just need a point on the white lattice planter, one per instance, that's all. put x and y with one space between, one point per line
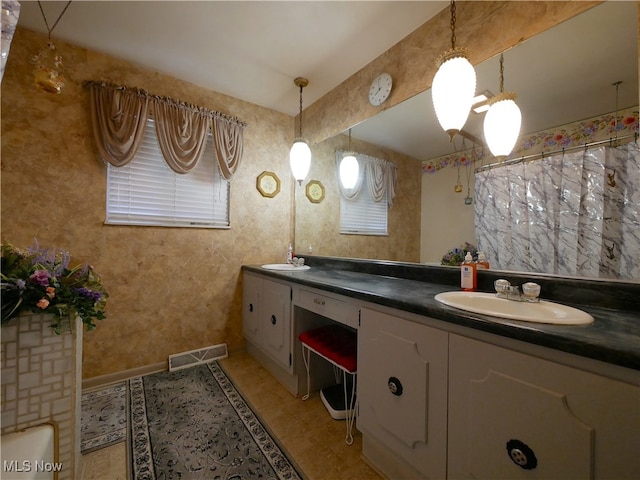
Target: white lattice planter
41 383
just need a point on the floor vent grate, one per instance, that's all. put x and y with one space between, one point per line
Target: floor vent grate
182 360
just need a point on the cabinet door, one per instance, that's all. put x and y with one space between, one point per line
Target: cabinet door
402 390
275 315
516 416
250 308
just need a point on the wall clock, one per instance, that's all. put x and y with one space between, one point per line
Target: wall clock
380 89
268 184
315 191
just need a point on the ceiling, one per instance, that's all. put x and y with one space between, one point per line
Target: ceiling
248 50
254 50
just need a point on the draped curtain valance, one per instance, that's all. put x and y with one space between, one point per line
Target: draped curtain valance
119 115
381 178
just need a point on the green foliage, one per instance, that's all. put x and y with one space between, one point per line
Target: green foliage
456 255
41 280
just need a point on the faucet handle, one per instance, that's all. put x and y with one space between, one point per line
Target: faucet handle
531 291
501 286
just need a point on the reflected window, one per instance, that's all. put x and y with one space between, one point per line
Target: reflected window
362 215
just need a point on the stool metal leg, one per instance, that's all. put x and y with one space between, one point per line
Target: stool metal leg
350 405
307 361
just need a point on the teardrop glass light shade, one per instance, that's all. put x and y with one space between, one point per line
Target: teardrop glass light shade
453 89
349 169
300 159
502 124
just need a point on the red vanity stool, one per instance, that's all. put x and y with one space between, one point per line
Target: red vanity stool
339 346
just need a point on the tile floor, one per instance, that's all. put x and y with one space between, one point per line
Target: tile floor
304 428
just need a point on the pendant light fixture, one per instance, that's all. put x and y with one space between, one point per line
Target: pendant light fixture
454 85
502 121
349 168
300 154
48 75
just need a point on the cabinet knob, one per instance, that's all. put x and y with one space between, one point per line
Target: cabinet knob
251 307
395 386
318 301
273 319
520 453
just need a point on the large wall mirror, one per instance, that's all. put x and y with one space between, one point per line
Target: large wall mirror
564 75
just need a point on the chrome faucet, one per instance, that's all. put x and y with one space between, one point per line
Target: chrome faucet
530 291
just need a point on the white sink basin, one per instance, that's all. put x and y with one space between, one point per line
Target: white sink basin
287 267
539 312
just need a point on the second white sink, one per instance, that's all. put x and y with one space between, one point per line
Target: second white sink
539 312
287 267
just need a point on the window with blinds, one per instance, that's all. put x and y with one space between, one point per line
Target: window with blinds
147 192
362 215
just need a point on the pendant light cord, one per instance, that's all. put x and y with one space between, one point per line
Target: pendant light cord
615 115
453 24
501 73
300 125
50 29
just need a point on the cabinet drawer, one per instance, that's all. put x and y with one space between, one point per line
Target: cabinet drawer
336 309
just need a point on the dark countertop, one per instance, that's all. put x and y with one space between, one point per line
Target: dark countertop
614 336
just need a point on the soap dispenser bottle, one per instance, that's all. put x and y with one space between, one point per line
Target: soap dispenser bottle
468 274
482 263
290 254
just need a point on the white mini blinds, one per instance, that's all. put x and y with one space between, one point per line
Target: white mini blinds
364 208
146 191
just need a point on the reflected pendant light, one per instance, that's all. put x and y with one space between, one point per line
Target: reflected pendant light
502 121
454 85
349 168
300 154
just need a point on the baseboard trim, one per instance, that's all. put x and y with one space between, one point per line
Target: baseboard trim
110 378
117 377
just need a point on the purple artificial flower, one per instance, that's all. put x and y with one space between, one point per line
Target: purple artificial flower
41 277
84 291
65 259
22 285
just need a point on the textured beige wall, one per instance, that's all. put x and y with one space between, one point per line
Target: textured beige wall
172 289
318 224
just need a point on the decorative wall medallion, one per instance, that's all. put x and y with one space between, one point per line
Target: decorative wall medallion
268 184
315 191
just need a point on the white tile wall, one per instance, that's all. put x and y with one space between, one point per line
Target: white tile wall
41 382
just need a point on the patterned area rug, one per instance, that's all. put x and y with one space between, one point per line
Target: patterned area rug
103 417
193 424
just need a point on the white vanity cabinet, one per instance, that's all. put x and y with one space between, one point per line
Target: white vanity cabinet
266 317
250 308
402 394
516 416
441 401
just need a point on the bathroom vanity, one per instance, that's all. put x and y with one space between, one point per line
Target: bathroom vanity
445 393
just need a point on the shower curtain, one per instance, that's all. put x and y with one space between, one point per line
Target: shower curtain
573 214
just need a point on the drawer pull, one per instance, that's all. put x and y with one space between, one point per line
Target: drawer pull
520 453
318 301
273 319
395 386
251 307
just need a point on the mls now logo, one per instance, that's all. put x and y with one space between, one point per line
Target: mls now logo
29 466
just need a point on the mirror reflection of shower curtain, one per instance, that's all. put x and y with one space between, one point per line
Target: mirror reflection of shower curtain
570 214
